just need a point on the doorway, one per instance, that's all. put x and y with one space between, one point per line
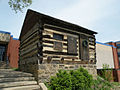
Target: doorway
2 52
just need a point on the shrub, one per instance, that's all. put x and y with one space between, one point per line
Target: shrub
15 69
101 84
73 80
106 73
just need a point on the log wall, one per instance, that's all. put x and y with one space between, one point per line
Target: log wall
51 55
39 45
29 48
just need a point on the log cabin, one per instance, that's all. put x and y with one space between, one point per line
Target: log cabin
47 40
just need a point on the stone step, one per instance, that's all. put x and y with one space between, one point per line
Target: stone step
31 87
13 74
17 72
16 84
16 79
4 65
6 70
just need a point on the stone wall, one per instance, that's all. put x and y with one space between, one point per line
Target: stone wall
45 71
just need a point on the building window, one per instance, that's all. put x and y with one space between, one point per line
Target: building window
57 36
119 60
58 46
2 53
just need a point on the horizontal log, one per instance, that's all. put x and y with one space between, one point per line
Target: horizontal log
33 55
69 62
30 42
58 53
29 50
91 40
52 49
62 33
91 50
91 56
46 54
90 46
46 44
51 46
30 60
50 42
52 39
35 28
29 38
29 46
65 30
92 43
92 59
29 53
50 35
70 57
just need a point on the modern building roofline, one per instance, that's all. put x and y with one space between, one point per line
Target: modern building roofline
105 44
4 32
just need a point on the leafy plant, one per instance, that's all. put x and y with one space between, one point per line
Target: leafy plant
73 80
106 73
18 5
79 80
15 69
101 84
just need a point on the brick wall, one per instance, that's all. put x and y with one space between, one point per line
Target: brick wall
116 61
13 52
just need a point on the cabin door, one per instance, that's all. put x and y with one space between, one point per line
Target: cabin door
84 49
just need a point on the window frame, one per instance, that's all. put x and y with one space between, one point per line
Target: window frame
58 36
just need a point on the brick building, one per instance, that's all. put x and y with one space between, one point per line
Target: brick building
9 50
116 54
108 54
118 51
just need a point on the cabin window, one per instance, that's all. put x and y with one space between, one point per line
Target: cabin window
72 45
58 46
57 36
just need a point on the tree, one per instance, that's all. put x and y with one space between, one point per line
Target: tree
18 5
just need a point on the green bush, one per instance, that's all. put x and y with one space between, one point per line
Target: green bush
106 73
15 69
73 80
101 84
79 80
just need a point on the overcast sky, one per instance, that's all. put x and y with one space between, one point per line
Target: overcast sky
102 16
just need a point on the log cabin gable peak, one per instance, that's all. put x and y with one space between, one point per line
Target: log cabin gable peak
32 17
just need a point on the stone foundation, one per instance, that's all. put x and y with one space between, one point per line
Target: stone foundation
45 71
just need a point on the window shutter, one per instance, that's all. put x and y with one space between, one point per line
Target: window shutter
72 45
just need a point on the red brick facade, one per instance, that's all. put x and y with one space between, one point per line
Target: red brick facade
13 52
116 72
